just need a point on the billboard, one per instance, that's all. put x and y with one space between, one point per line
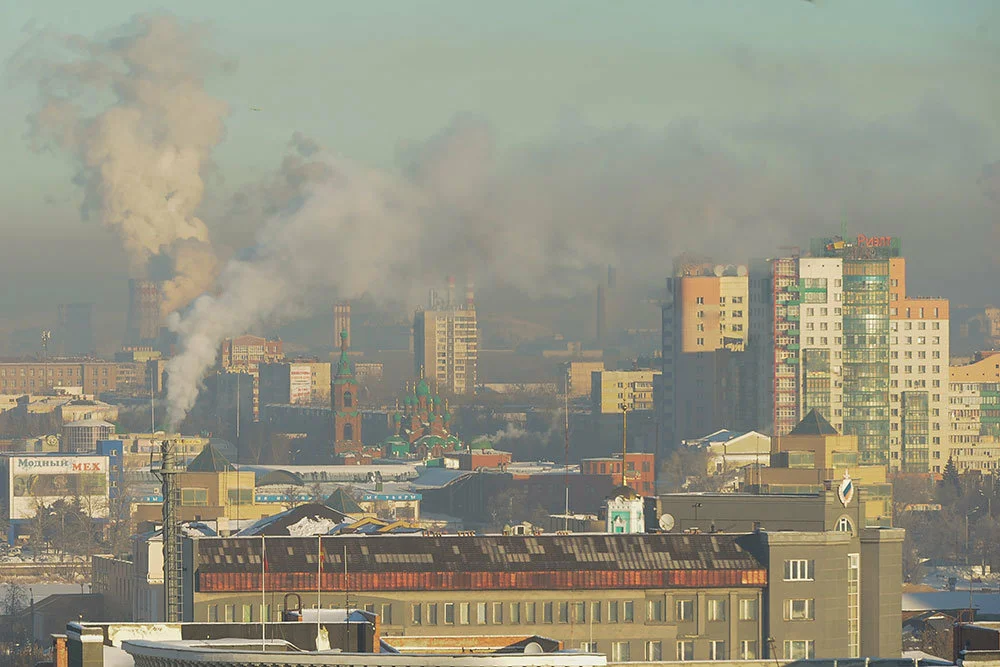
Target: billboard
36 481
299 384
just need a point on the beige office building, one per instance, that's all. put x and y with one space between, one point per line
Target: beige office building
446 348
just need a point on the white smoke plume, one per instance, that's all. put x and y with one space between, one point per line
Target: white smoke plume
549 216
132 113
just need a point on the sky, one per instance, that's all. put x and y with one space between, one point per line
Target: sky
881 114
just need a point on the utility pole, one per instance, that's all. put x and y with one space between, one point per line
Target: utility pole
566 445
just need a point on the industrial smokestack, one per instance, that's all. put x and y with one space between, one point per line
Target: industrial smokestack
470 296
601 314
341 322
144 300
451 291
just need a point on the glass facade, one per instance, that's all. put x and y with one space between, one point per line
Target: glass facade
915 430
816 380
866 352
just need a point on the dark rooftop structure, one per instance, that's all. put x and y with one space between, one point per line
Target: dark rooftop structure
471 562
210 460
342 501
814 423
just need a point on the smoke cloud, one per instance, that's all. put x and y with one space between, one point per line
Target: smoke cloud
544 220
132 113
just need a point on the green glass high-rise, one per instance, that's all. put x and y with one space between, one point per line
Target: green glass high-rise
866 351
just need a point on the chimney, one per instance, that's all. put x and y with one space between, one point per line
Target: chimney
470 296
341 322
143 312
60 658
601 315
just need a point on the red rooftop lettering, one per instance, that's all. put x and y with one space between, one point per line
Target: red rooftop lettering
874 241
87 467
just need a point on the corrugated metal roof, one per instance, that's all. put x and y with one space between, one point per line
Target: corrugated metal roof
485 553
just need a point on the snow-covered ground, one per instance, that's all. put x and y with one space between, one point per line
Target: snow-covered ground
937 577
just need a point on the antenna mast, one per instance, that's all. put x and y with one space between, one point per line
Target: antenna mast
172 567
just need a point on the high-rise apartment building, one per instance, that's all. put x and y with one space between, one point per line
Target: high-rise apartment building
974 415
796 340
144 299
705 327
446 343
918 378
246 354
75 329
834 330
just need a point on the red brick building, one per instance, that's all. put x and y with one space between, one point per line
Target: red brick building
640 470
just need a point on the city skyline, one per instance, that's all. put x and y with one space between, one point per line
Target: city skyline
748 102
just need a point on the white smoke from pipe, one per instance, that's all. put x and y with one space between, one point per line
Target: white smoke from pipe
132 113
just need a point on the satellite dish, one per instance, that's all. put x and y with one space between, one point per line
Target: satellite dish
667 522
533 648
719 270
741 270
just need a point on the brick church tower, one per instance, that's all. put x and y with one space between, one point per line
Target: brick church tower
344 404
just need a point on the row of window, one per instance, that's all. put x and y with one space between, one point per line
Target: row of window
794 649
497 613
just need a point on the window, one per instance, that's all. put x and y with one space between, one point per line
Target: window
685 650
716 609
449 613
654 611
629 611
588 647
699 300
546 612
748 650
619 652
595 612
515 612
798 570
579 612
717 649
529 612
613 611
432 614
800 649
416 615
564 612
213 613
464 613
480 613
197 497
241 496
654 651
387 614
844 525
799 610
748 609
498 613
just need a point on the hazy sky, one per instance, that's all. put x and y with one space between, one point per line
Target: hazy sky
903 92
